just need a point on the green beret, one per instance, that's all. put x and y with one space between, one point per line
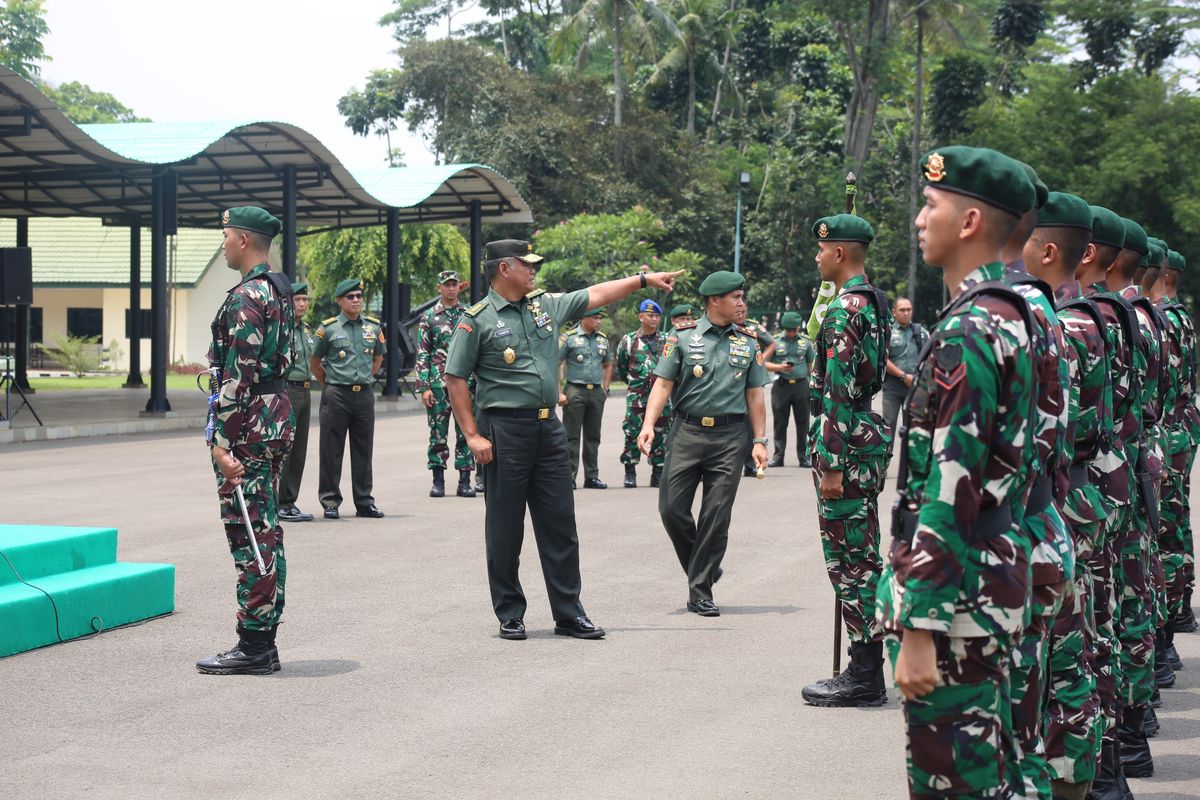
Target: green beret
791 320
300 288
721 282
1153 259
1107 227
347 286
1176 261
1161 244
681 309
447 275
595 312
511 248
843 228
251 218
983 174
1041 192
1135 237
1062 210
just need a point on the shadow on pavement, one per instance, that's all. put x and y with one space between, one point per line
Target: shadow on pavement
317 669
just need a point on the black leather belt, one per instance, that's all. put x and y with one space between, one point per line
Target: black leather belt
268 387
988 525
300 384
522 413
588 386
713 422
1079 476
354 387
1040 497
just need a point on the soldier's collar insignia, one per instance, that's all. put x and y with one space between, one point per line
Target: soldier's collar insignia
823 231
935 168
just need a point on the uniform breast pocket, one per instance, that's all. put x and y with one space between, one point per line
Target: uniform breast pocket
739 357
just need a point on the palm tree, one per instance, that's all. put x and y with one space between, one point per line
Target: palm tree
689 28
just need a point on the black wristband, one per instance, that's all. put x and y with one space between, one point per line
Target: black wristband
642 275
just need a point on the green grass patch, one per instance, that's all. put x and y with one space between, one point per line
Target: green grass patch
174 382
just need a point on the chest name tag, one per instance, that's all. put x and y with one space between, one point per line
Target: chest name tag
500 333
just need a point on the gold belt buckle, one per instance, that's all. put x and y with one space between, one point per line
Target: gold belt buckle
356 387
791 380
306 384
708 422
591 386
543 413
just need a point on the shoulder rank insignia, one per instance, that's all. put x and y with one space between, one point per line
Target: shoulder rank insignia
687 326
535 293
329 321
370 319
474 310
745 330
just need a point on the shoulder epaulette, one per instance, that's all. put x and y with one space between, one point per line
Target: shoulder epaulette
535 293
370 319
745 329
329 321
474 310
687 326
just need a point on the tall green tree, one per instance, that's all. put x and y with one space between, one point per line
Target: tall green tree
691 21
84 105
22 28
377 109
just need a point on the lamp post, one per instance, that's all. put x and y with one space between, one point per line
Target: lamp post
743 182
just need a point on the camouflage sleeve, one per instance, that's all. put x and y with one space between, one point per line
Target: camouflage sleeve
424 353
463 352
669 364
622 367
842 345
245 319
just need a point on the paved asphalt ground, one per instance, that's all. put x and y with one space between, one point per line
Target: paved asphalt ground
394 682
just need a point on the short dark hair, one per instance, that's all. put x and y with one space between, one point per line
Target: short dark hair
491 267
1071 242
999 225
1106 254
896 302
260 240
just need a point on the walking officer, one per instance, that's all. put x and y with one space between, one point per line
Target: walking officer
792 362
508 341
906 341
715 368
637 355
249 432
681 314
587 365
299 383
348 351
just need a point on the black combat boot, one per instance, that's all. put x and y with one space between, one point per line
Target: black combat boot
630 476
275 665
1164 676
439 483
1156 698
1185 620
1106 785
777 461
861 684
250 656
479 483
464 483
1061 790
1136 761
1172 655
1150 723
655 477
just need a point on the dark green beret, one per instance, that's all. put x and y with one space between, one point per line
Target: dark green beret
681 309
1062 210
1161 244
1153 259
300 288
981 173
595 312
843 228
1041 192
721 282
347 286
1107 227
1135 237
512 248
1176 261
791 320
251 218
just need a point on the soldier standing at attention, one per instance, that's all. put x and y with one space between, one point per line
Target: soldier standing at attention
792 361
251 433
905 344
718 369
587 365
347 355
637 355
433 339
953 594
299 382
508 341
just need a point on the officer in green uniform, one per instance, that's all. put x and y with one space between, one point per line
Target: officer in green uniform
682 314
587 364
719 370
766 346
904 346
348 351
791 362
508 341
299 381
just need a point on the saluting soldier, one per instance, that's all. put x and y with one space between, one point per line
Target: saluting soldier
587 368
348 351
637 355
715 368
250 434
850 446
299 384
792 362
433 339
954 591
508 341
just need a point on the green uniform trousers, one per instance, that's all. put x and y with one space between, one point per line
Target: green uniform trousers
529 469
712 456
581 417
293 465
790 399
346 411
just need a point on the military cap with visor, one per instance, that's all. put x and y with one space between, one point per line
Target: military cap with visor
447 275
347 286
791 320
251 218
300 288
983 174
722 282
512 248
1107 227
843 228
1063 210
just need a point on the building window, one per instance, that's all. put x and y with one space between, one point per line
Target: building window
85 322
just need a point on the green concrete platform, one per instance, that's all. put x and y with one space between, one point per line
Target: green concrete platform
73 586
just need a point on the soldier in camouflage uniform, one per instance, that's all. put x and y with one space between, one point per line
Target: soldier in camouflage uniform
433 339
954 593
850 445
637 355
251 433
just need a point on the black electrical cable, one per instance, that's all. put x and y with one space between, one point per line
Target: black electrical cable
96 631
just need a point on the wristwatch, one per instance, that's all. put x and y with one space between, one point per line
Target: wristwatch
642 275
760 440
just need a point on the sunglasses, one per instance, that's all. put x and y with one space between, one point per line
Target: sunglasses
353 296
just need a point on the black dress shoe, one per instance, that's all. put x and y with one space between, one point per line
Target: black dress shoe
512 629
579 627
777 461
369 511
331 512
293 514
705 608
594 483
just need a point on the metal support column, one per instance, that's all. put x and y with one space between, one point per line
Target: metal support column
21 373
161 185
289 221
134 381
391 303
476 253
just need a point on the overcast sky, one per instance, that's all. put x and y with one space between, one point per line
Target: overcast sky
276 60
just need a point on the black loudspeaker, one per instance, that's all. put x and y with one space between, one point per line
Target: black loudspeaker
16 276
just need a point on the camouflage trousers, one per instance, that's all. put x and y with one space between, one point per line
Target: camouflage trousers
260 595
850 542
635 415
1135 624
958 736
1174 538
439 430
1103 566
